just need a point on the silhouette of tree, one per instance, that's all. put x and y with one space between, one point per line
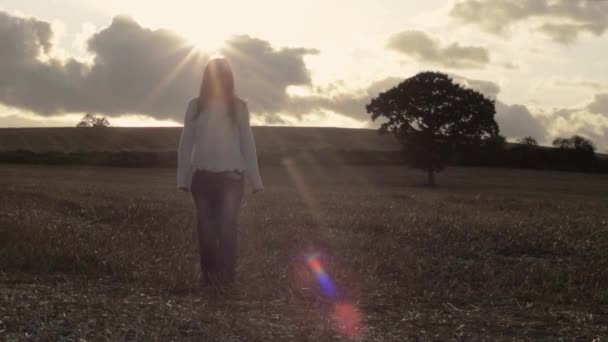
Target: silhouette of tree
528 141
577 151
526 150
495 142
430 115
576 142
90 120
562 143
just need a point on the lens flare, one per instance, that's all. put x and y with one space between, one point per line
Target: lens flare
346 316
348 319
324 281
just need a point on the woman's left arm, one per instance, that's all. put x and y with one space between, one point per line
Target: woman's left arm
249 150
185 148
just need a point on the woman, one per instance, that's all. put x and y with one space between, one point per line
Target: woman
216 150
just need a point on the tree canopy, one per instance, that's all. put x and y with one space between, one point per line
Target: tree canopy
429 113
575 142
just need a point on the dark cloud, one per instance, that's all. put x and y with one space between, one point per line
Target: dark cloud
561 33
599 104
25 81
23 39
351 104
590 121
422 47
135 70
488 88
138 70
265 73
563 20
516 121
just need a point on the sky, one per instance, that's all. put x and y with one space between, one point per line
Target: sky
305 63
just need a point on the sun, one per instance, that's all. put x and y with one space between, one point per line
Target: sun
201 24
205 44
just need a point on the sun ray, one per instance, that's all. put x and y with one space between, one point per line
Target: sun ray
347 317
169 77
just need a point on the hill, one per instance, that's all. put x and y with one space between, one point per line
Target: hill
156 147
166 139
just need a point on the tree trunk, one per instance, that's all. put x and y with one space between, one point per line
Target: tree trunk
431 174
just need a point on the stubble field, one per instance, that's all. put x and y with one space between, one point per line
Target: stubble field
110 254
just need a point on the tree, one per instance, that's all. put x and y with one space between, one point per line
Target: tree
430 114
527 141
495 142
90 120
526 152
576 151
576 142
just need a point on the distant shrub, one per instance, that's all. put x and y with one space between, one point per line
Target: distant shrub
90 120
576 142
528 141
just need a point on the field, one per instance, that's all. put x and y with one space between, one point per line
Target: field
491 254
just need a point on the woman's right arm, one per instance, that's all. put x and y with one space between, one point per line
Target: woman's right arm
184 151
248 149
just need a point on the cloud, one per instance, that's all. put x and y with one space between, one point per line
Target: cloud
580 83
138 70
561 33
590 120
562 20
26 81
135 70
26 37
567 122
599 105
351 103
264 73
488 88
422 47
20 121
516 121
509 65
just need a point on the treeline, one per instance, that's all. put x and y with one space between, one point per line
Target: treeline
492 153
567 154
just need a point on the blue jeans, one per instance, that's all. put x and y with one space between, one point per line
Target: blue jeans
217 197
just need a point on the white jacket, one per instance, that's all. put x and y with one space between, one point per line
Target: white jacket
213 142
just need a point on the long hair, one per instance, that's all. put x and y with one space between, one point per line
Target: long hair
218 79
